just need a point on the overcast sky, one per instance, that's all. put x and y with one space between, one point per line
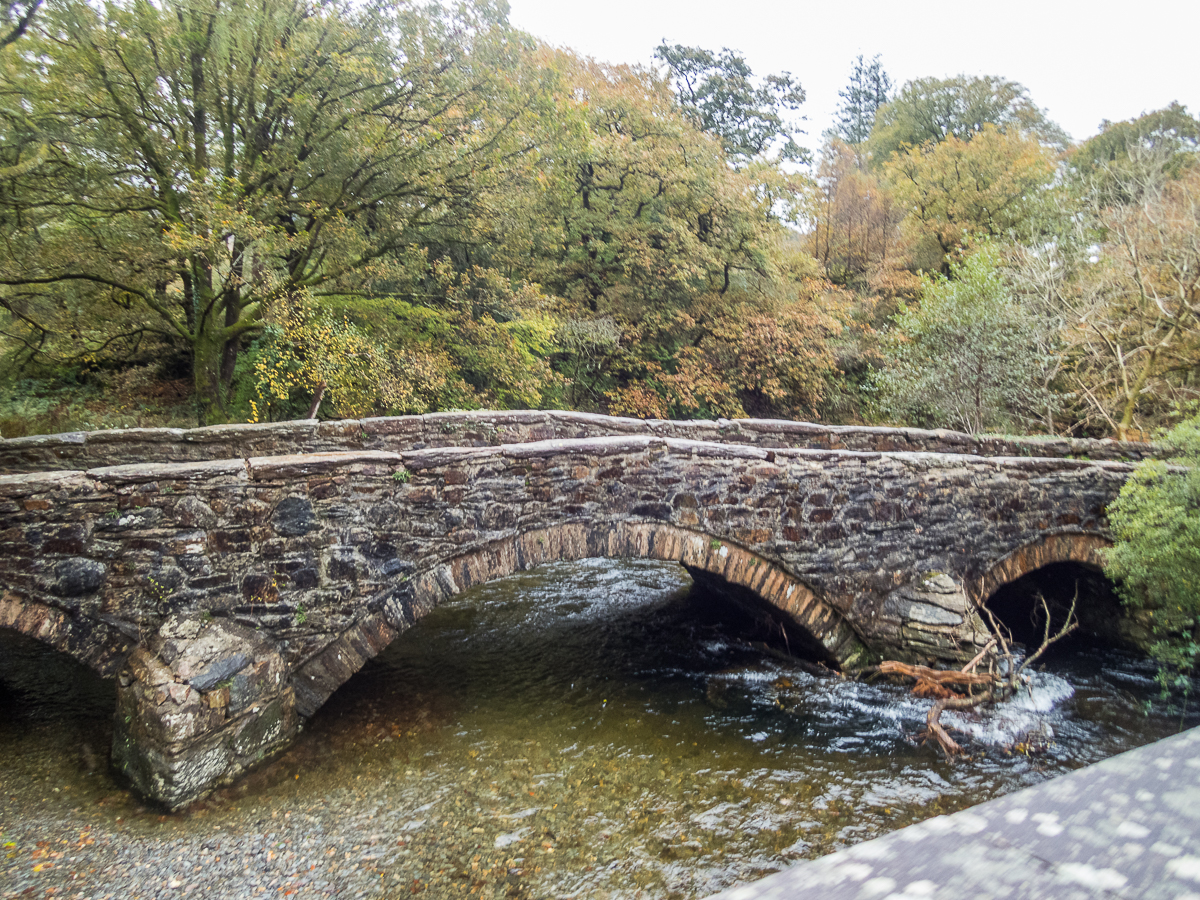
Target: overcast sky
1082 62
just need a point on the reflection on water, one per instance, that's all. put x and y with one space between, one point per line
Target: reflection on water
600 729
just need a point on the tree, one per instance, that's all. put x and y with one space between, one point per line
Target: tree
861 99
1130 293
15 18
768 360
657 257
929 110
629 210
855 222
208 158
23 149
1169 131
968 356
993 185
719 93
1155 560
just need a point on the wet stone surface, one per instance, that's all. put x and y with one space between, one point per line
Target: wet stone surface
581 731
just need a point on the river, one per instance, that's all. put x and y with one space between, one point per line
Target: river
593 729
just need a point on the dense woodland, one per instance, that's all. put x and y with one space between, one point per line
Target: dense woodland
220 212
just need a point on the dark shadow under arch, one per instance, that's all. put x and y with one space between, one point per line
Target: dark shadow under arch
1057 567
36 677
1016 604
317 678
1077 547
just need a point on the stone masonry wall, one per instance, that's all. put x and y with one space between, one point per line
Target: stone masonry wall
303 546
85 450
204 701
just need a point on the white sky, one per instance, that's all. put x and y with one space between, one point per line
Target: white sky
1082 62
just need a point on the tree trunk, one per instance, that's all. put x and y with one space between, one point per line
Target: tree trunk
208 353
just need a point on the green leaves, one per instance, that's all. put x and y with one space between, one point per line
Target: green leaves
1155 561
990 185
928 110
861 99
208 159
967 356
719 93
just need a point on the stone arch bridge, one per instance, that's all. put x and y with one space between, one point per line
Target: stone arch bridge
232 578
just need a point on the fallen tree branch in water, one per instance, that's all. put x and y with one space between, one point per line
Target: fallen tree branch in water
938 676
1003 678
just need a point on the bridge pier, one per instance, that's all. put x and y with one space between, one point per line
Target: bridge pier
201 703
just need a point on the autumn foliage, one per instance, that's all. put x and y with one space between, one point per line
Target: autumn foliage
363 209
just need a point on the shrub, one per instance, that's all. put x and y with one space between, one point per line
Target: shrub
1156 559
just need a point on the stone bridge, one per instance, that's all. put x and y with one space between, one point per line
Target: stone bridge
232 578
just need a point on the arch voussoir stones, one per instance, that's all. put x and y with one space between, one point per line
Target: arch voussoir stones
1045 550
318 678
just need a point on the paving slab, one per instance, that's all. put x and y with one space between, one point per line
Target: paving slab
1127 827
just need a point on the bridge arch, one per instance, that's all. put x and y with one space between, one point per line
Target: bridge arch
100 647
397 609
1087 549
1061 566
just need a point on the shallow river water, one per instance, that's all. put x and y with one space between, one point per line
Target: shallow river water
594 729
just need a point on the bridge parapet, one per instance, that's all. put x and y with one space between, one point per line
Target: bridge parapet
484 428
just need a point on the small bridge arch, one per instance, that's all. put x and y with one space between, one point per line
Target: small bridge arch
402 606
1082 548
1065 568
100 647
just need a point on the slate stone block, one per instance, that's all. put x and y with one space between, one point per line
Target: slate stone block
219 671
77 576
294 517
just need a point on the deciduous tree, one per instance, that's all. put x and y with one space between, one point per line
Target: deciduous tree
629 210
928 110
968 356
993 184
15 18
1132 298
208 157
1155 561
720 93
855 222
1170 132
